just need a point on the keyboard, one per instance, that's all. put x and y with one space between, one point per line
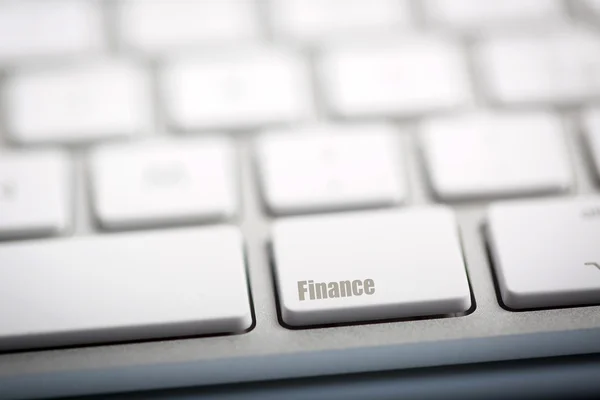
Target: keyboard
218 191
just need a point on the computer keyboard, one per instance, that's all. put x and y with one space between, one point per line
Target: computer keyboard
218 191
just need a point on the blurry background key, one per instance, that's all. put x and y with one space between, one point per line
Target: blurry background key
331 168
484 15
496 155
405 77
168 25
160 183
236 90
313 20
78 103
35 193
559 68
33 29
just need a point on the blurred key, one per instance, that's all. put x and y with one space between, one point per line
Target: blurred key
592 122
404 78
331 168
546 253
560 68
241 90
77 103
35 194
483 15
157 183
165 25
30 29
486 155
311 20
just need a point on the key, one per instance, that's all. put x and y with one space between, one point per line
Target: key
592 122
555 69
35 193
485 15
34 29
546 253
313 20
489 155
405 78
164 25
76 104
402 264
237 91
159 183
123 287
331 168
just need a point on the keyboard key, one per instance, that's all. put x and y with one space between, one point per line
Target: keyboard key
238 91
31 29
75 104
493 155
35 193
311 20
553 69
404 78
483 15
123 287
331 168
546 253
165 25
592 121
159 183
402 264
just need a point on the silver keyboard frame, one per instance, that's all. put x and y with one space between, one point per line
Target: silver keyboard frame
270 351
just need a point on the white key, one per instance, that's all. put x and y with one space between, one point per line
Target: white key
331 167
401 264
592 122
546 253
35 193
311 20
164 25
556 68
79 103
164 183
123 287
483 15
237 91
488 155
32 29
406 77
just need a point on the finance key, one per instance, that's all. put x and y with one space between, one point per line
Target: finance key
367 266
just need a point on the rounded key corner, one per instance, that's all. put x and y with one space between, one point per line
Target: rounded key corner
289 318
246 322
509 299
466 304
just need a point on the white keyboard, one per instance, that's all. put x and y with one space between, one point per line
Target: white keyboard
221 191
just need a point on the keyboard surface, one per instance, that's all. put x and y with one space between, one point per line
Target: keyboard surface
208 192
